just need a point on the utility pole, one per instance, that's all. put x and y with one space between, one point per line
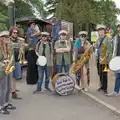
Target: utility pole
11 13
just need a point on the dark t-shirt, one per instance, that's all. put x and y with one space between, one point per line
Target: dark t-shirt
118 46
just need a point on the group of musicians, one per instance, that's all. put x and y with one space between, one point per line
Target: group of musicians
10 46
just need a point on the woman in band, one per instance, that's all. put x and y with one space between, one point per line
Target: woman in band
62 52
32 71
104 52
5 80
44 48
15 45
79 48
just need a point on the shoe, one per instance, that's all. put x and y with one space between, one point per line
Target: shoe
105 91
113 94
10 106
4 111
15 96
85 89
100 89
37 91
48 89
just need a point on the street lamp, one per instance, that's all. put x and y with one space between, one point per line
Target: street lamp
11 12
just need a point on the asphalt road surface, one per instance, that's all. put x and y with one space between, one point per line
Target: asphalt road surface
49 106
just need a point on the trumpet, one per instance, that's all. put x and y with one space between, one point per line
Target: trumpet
9 69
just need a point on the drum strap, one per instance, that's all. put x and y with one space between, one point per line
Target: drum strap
38 45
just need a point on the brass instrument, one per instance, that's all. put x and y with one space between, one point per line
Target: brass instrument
104 57
85 57
9 68
22 51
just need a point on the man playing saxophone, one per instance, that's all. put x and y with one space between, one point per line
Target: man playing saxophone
81 45
104 52
5 80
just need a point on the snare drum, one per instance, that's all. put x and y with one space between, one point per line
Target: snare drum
114 64
63 84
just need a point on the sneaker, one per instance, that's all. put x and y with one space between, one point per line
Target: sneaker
47 88
99 89
113 94
37 91
10 106
4 111
85 89
105 92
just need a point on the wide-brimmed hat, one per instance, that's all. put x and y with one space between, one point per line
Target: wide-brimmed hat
63 31
83 33
45 33
4 33
30 22
100 26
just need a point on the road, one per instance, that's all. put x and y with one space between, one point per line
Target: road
48 106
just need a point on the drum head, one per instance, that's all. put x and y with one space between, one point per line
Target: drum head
64 85
114 64
42 61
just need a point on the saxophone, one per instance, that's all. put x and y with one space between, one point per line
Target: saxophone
84 58
8 62
9 68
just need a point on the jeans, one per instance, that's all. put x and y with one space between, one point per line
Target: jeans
41 71
17 72
117 82
59 68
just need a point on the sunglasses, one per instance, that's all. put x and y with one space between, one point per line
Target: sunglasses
63 34
83 36
44 35
15 32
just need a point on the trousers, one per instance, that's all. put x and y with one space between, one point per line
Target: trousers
5 89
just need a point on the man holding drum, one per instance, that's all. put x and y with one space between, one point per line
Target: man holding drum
116 53
44 51
103 55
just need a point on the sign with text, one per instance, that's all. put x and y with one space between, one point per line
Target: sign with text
64 85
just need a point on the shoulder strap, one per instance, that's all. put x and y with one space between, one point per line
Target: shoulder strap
38 45
50 47
101 41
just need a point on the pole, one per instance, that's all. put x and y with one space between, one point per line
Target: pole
11 13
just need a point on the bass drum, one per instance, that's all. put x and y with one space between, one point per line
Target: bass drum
63 84
114 64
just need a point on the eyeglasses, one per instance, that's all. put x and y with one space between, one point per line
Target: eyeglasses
44 35
63 34
83 36
15 32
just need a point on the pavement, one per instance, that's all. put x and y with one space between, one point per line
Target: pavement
112 103
49 106
91 105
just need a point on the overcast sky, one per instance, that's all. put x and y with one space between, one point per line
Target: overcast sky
118 5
